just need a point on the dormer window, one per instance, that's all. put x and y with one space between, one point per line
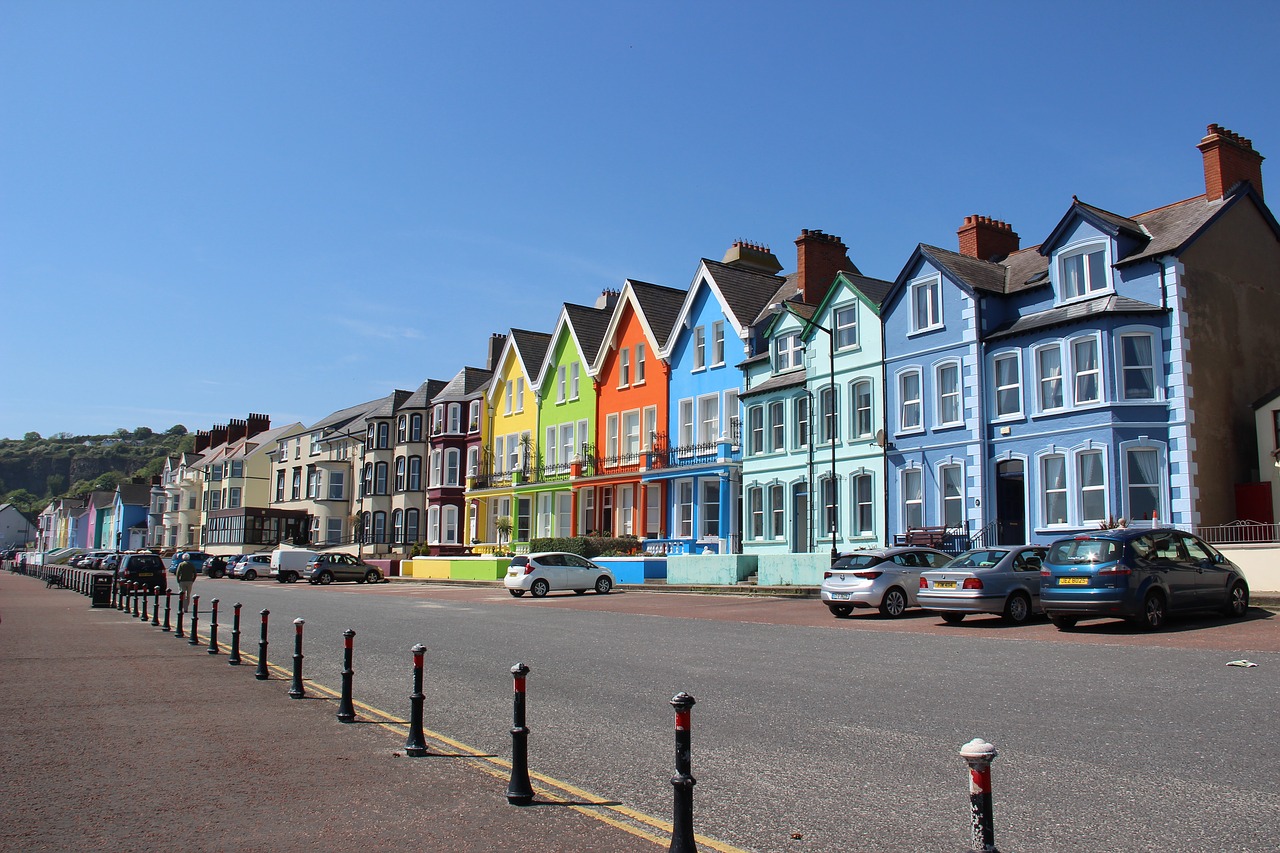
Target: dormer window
1083 271
926 304
788 352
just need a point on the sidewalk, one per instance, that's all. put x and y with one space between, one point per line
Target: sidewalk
117 736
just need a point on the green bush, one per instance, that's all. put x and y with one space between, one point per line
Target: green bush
589 546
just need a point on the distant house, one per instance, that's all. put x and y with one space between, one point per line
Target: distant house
16 529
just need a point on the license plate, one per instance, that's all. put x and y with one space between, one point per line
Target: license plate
1073 581
840 596
944 584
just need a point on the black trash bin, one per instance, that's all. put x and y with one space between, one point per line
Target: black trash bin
100 590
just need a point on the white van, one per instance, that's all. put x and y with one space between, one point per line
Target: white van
287 565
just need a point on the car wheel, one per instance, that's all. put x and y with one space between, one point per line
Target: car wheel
1063 623
516 593
293 577
1153 612
894 603
603 585
1237 600
372 576
1017 610
840 610
579 591
324 578
539 588
952 618
251 575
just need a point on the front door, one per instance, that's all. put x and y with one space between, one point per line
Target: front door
800 518
1011 503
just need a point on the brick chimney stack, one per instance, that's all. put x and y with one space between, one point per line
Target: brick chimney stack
987 239
202 441
496 341
218 435
258 423
236 430
1228 159
819 257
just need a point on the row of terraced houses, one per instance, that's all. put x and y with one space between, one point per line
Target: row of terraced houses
989 393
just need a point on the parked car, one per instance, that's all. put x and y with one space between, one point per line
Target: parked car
197 559
250 567
985 580
886 578
540 573
324 569
287 565
215 567
1140 575
146 569
89 559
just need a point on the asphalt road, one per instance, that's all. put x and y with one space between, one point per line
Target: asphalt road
812 733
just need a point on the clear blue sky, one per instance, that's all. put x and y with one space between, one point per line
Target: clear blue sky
210 209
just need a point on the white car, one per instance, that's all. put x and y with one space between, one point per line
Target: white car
248 567
538 574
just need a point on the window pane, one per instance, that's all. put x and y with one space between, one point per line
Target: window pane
1050 366
1097 270
1138 361
1085 356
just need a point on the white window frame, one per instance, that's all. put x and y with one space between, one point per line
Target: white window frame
1122 369
863 422
624 367
640 364
1062 493
777 523
755 512
1076 374
755 430
1042 381
949 502
709 508
862 521
777 426
685 425
1082 488
562 383
801 413
708 425
931 286
717 343
1091 289
790 356
905 402
1162 478
575 372
943 394
911 497
699 348
996 359
828 414
845 324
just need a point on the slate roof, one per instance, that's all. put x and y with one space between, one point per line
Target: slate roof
874 289
464 384
1075 311
102 498
532 347
661 306
589 325
135 494
789 289
1173 225
774 383
426 392
747 291
346 417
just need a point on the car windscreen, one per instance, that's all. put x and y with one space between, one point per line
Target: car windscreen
977 559
1084 551
857 561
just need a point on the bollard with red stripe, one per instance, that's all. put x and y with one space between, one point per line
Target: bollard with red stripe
296 690
168 604
346 708
182 612
155 607
145 617
682 822
519 791
234 658
416 743
213 629
261 673
195 621
979 754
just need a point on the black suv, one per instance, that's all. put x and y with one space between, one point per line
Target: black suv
145 569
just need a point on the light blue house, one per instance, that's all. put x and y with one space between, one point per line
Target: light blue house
128 526
699 456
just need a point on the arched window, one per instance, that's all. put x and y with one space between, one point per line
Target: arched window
455 417
411 526
366 482
473 461
380 527
415 473
435 468
366 528
368 437
452 458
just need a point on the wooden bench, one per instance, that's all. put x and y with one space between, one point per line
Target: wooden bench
926 537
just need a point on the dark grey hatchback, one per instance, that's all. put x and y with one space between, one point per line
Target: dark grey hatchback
1142 575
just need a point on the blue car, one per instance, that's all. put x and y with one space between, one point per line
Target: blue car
1142 575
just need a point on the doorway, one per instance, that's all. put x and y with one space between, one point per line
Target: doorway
800 518
1011 502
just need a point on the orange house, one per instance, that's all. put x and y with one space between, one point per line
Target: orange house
631 409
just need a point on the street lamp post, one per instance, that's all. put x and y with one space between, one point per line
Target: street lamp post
831 390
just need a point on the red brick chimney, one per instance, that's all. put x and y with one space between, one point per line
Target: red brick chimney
236 430
217 435
819 257
202 441
1228 159
987 239
258 423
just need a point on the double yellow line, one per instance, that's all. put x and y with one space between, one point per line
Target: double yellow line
552 790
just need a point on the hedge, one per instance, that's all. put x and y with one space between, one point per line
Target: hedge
589 546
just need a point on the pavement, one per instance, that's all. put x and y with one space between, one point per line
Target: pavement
117 736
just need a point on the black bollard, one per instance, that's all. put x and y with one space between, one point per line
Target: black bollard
168 604
262 673
416 744
182 611
115 594
296 690
979 754
346 708
145 616
194 640
683 782
519 791
234 659
213 629
136 589
155 607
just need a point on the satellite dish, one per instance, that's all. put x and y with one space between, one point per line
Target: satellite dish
880 438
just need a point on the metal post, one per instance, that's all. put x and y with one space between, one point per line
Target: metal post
979 754
155 609
262 673
182 612
296 690
133 588
519 791
234 659
213 630
683 782
145 616
346 708
195 620
168 604
416 744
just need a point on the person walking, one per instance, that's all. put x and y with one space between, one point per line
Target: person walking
186 576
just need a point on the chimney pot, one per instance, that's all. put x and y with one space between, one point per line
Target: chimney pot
987 239
1229 159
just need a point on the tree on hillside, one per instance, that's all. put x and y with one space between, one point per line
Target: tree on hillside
121 433
31 436
24 501
176 429
143 433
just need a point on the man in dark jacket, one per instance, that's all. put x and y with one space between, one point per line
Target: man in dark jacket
186 576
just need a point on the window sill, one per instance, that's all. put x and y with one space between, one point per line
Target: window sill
948 427
909 432
935 328
702 369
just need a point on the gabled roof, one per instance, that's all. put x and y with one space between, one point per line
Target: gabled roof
267 439
1110 304
656 307
134 494
102 497
586 324
789 290
872 290
802 311
976 274
742 292
344 417
467 383
427 391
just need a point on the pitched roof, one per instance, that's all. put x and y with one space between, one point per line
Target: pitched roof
789 290
135 494
532 349
342 417
589 327
876 290
466 383
978 275
661 306
426 392
1173 225
747 292
1111 304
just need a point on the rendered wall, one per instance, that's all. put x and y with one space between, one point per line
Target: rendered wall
634 570
792 569
710 569
1260 564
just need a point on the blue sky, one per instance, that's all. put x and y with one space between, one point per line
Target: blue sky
213 209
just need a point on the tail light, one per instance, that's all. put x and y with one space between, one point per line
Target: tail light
924 584
870 576
528 569
1045 573
972 583
1117 569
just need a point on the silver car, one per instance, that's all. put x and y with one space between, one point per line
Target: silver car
886 578
986 580
538 574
